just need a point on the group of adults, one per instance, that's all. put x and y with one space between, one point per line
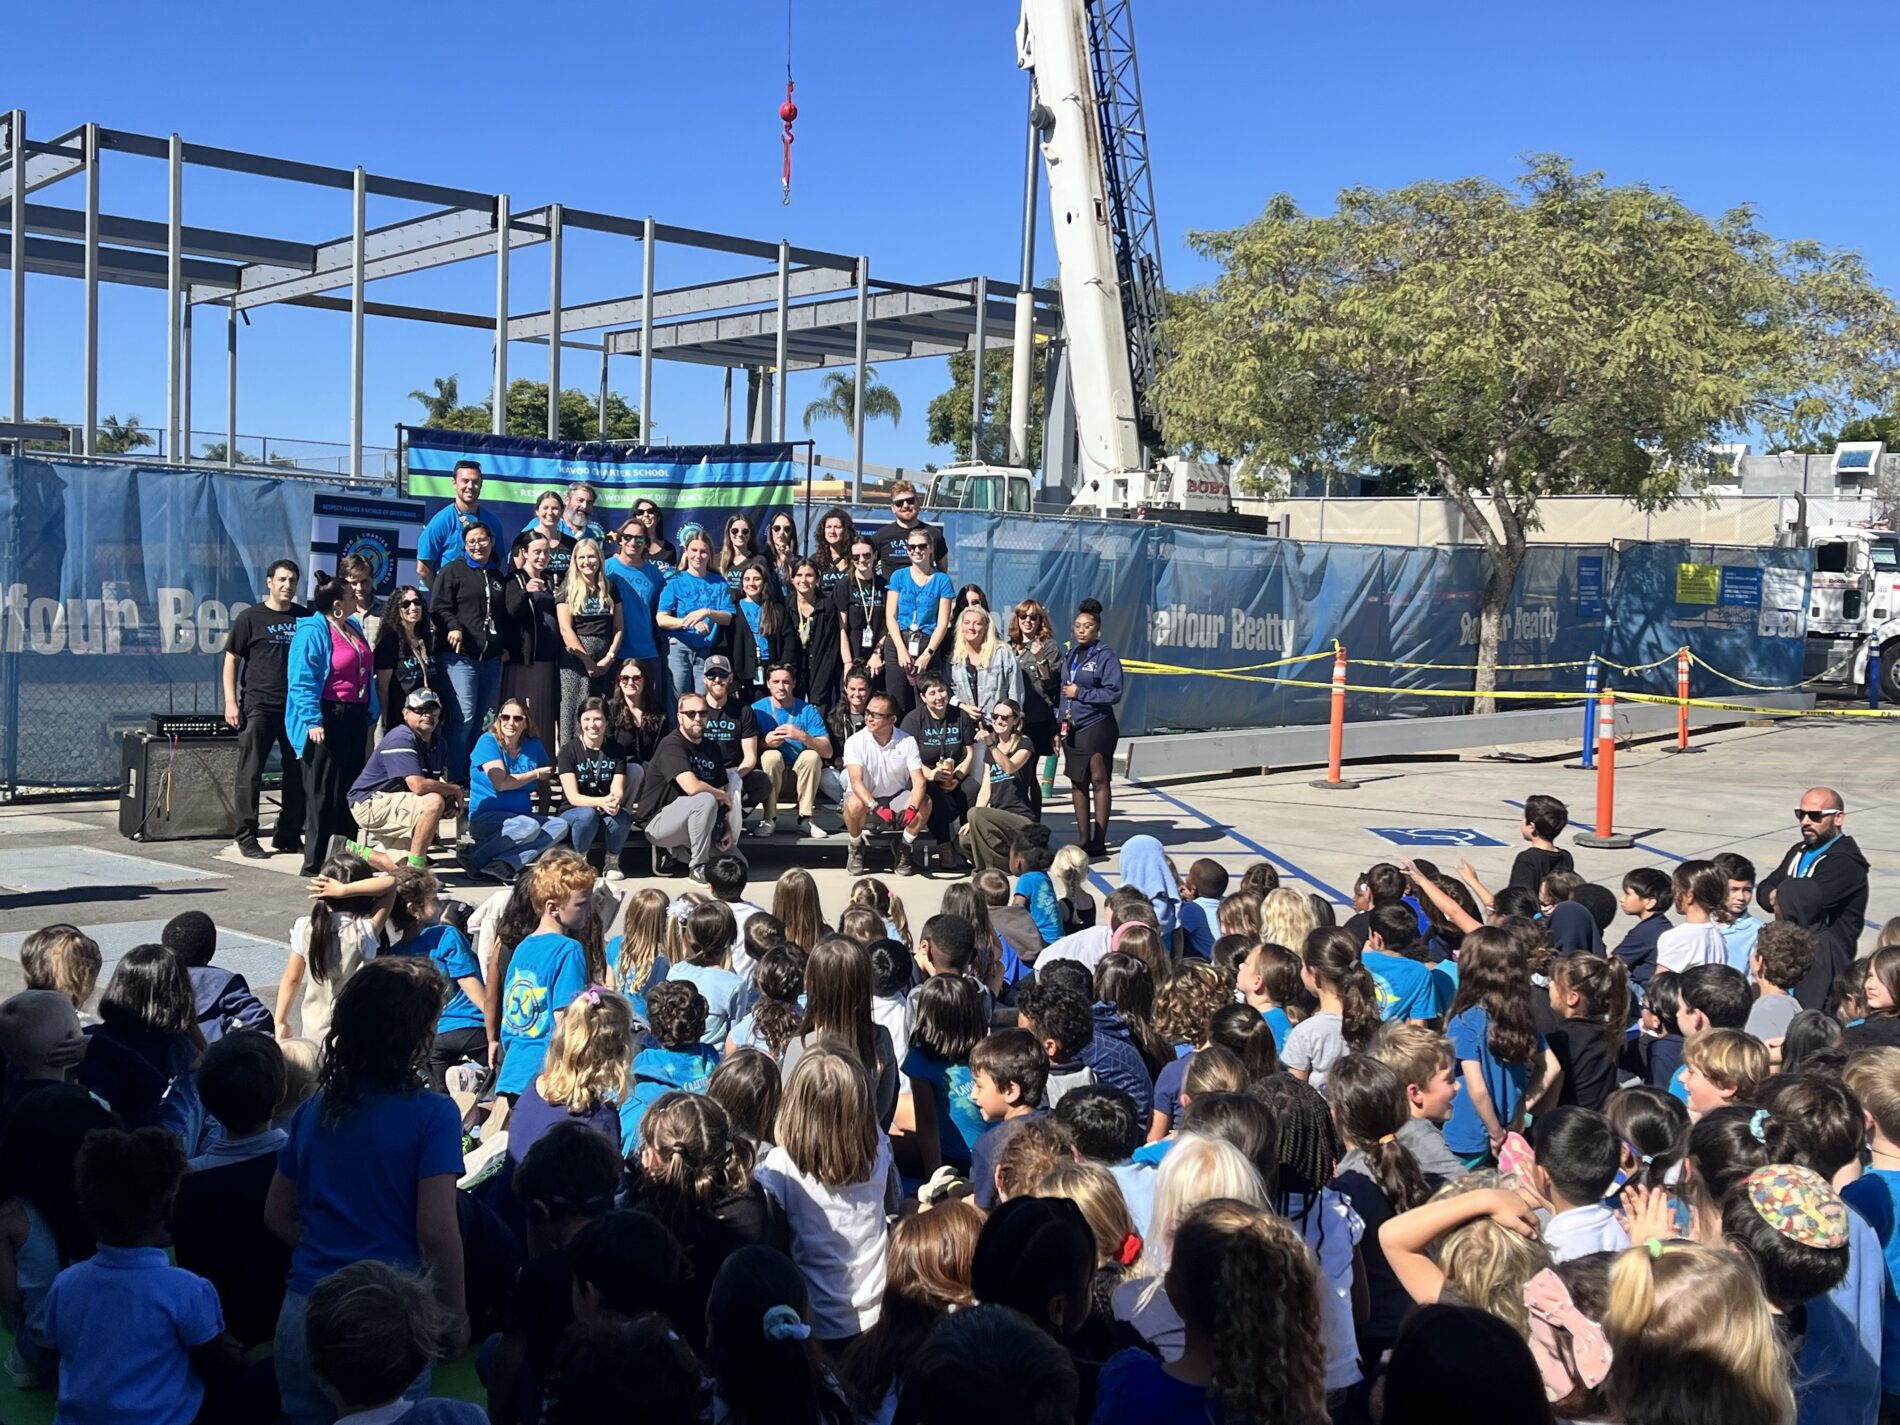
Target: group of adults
772 657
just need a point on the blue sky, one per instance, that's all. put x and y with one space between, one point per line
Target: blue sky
909 148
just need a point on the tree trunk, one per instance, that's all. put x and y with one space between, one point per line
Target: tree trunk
1504 559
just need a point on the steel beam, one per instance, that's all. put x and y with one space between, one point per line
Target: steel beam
860 344
44 219
46 163
683 302
230 389
976 374
51 257
555 217
174 287
90 338
781 329
647 245
698 237
358 256
504 248
318 174
16 262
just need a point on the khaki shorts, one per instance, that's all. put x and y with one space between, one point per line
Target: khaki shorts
391 814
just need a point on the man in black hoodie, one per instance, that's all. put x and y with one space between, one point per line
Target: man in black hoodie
1836 902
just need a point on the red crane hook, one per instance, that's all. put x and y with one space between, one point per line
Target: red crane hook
788 111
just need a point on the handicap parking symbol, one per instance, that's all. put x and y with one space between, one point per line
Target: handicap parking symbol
1455 836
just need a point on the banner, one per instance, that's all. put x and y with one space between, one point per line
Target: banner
382 531
697 484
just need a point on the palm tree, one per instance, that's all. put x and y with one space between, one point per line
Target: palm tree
446 398
835 404
116 437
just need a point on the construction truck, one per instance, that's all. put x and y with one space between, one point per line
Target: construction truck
1087 121
1853 607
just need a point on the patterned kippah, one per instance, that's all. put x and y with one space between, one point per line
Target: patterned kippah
1798 1203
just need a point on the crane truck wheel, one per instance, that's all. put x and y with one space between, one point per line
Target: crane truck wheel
1890 674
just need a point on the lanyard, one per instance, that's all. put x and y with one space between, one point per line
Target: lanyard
866 602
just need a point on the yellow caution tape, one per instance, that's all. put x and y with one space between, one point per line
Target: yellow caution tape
1515 667
1756 709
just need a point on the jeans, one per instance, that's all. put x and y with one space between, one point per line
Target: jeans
297 1386
585 823
513 840
684 669
475 693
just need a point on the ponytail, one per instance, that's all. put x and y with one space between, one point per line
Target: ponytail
1632 1291
1332 956
1369 1104
1601 984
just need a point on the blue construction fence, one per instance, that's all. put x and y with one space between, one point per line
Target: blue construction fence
119 583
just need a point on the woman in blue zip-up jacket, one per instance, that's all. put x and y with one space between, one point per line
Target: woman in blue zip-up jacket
327 713
1091 686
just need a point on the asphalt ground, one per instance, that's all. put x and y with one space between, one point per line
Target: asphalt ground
66 860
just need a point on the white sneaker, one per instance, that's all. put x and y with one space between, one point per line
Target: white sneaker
812 829
614 873
762 827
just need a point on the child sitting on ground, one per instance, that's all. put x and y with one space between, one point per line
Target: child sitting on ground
625 1264
1780 959
1589 994
1378 1178
1710 997
40 1042
1201 892
1348 1013
1647 894
224 1000
1722 1068
706 939
142 1055
678 1060
417 916
1104 1127
1069 872
1030 860
1428 1067
1578 1156
1007 1073
64 959
584 1077
138 1338
1269 980
1656 1055
373 1330
218 1228
947 1022
566 1181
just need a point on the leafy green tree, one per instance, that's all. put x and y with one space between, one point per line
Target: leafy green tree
59 443
528 413
1567 337
215 452
118 437
949 413
836 404
445 398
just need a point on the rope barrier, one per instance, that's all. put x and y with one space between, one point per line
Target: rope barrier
1825 675
1516 667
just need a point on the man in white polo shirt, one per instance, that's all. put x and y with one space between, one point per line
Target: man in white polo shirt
887 784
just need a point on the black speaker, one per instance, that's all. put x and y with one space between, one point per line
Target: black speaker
175 788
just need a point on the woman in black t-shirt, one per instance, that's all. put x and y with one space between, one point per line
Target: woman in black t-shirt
859 604
1006 792
591 633
635 724
405 652
599 785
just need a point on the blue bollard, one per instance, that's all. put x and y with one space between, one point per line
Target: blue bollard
1873 677
1589 758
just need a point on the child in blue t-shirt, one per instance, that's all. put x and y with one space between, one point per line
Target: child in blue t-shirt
1875 1195
1493 1031
138 1338
540 979
369 1172
706 936
947 1022
461 1032
1029 862
1201 894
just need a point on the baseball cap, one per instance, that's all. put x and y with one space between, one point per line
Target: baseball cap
421 699
719 663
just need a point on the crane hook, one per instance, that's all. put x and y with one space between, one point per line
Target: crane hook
788 111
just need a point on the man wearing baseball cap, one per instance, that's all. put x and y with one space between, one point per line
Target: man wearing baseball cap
401 792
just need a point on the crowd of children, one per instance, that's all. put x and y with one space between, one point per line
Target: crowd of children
1209 1153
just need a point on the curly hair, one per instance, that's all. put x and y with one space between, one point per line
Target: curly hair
677 1011
1185 1005
382 1032
1485 1262
1242 1278
1494 975
780 978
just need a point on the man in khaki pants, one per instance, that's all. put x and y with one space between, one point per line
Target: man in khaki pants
794 745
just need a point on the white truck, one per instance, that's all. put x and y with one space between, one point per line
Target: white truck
1093 140
1854 606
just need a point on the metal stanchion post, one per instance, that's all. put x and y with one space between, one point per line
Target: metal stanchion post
1587 759
1682 704
1606 837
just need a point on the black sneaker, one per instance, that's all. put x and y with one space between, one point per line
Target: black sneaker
905 856
950 859
854 859
292 847
248 848
663 862
697 875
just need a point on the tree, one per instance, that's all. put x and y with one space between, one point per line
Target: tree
59 443
949 413
841 391
118 438
447 396
528 414
1569 337
215 453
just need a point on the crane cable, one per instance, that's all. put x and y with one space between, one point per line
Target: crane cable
788 111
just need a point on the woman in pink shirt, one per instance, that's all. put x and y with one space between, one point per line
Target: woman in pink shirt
331 703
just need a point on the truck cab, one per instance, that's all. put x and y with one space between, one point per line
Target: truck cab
1854 606
988 489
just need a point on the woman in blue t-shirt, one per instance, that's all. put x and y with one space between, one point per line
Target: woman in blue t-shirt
948 1019
507 766
693 610
916 616
369 1171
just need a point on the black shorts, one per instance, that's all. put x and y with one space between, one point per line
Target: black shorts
1098 739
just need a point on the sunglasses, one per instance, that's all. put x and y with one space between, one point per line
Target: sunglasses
1803 814
692 712
864 556
410 604
870 716
906 503
632 678
509 717
783 529
633 538
717 677
918 548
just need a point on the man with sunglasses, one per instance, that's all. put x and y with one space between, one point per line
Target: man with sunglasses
637 580
733 729
1834 902
893 540
888 786
683 802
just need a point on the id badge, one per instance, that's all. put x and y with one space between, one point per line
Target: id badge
864 639
916 642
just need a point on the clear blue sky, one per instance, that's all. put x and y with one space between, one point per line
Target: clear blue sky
909 147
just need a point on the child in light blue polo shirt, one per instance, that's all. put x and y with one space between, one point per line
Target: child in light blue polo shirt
137 1337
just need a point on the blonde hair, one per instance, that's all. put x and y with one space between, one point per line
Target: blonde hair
577 591
677 910
1729 1059
986 650
1091 1187
1069 870
1196 1170
642 938
1692 1339
795 902
1241 914
590 1053
1874 1076
1286 918
64 959
1485 1262
827 1122
1889 935
1417 1054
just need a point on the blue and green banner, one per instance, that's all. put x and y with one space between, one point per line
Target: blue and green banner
696 484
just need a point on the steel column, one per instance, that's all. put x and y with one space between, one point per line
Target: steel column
778 371
174 291
643 416
230 387
90 442
554 322
16 258
646 325
498 425
857 382
358 256
184 382
976 371
602 422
